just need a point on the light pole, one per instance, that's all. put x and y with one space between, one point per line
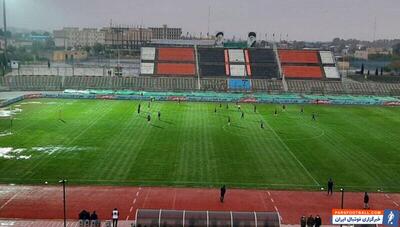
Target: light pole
63 182
5 33
342 191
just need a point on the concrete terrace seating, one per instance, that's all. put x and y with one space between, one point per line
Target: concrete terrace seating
264 71
212 70
175 62
214 84
211 55
298 56
274 86
32 83
302 72
211 62
315 87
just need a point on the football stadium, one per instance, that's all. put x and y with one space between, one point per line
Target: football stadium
221 134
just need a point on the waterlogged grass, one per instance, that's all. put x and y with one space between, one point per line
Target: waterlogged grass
108 143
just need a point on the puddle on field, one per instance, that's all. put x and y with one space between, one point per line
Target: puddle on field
33 102
11 153
27 153
9 112
5 134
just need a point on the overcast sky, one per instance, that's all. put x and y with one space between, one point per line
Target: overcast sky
300 19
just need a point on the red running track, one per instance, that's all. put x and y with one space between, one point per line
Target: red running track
45 202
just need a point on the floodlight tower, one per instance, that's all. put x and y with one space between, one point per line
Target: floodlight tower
5 29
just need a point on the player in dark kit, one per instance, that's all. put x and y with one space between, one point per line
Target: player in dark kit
159 115
229 120
262 124
148 118
242 115
302 109
223 191
284 107
255 108
138 109
313 117
276 112
215 109
330 186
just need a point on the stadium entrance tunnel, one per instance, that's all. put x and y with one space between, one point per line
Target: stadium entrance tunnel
172 218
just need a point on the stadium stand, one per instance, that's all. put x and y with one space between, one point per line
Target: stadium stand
237 70
211 62
264 71
175 69
212 70
270 86
236 55
298 56
302 72
213 84
331 72
262 56
211 55
33 83
146 68
327 58
151 83
315 87
148 54
175 54
263 63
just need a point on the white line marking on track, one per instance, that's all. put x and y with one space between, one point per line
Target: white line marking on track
137 193
387 196
8 201
140 189
127 217
276 209
134 201
130 210
269 193
395 203
272 200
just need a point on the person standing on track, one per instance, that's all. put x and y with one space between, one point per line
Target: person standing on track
223 191
115 214
303 221
310 221
318 221
330 186
366 200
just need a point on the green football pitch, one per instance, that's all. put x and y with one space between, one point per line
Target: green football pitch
103 142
